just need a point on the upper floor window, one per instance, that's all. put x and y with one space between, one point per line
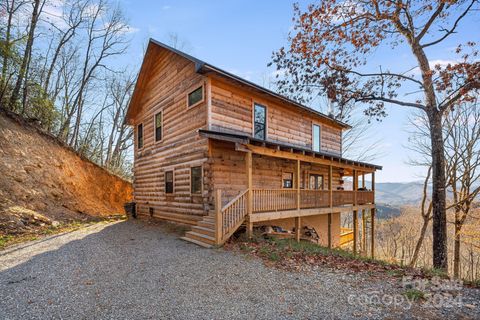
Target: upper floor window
259 121
195 97
168 181
158 126
316 133
196 180
287 180
140 136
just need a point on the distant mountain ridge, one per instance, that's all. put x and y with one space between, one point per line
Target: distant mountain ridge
399 193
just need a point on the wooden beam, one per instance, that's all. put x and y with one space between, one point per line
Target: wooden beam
364 231
330 231
218 217
275 215
330 186
355 231
293 156
372 230
297 228
297 183
248 173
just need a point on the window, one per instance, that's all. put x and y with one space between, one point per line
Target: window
158 126
316 182
196 180
259 121
287 180
140 136
195 97
168 181
316 137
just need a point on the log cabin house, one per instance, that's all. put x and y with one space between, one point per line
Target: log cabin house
215 151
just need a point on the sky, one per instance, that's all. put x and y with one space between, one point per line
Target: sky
240 36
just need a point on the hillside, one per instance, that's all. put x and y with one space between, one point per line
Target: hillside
44 182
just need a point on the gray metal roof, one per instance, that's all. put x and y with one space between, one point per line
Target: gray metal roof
246 139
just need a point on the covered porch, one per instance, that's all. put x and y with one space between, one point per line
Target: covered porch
299 198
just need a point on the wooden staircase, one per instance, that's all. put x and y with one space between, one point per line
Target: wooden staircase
203 233
215 229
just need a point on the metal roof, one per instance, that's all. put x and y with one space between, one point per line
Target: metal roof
246 139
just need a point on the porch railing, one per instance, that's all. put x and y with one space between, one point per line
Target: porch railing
274 200
265 200
314 199
364 197
233 214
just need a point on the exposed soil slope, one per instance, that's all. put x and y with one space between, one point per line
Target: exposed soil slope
44 182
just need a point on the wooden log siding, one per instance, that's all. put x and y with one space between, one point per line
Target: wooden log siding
226 171
232 112
167 85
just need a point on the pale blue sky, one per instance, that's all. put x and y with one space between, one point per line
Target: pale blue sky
240 35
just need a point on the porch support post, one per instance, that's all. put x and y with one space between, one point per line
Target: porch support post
218 217
297 186
372 230
248 171
330 202
364 221
298 226
372 217
355 212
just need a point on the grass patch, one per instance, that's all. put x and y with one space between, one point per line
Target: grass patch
414 294
8 240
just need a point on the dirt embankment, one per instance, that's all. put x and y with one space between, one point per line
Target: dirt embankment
42 182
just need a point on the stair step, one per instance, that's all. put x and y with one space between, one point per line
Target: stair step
200 243
206 224
200 237
204 230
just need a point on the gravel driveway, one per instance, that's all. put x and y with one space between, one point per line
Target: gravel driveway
136 270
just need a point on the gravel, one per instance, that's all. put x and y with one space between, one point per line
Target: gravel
137 270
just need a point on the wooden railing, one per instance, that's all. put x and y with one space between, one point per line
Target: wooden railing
342 197
233 214
364 197
230 216
314 199
274 200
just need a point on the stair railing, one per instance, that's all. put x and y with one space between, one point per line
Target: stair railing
229 217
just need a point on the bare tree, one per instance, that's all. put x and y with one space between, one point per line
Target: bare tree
36 11
330 45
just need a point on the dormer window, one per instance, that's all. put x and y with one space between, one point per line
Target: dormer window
316 133
259 121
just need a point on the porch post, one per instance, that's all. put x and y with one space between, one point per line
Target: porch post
355 212
364 221
372 217
297 228
248 172
297 186
218 216
330 202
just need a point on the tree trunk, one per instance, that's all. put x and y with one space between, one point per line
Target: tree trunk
456 254
439 215
418 246
26 55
